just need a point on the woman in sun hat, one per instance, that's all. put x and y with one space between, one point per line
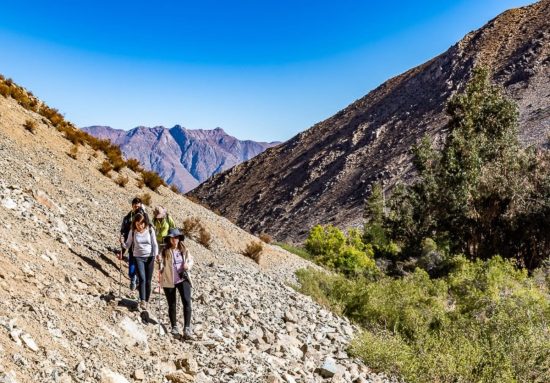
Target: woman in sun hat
175 267
162 222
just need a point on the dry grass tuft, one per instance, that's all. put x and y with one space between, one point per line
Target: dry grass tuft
105 168
254 251
204 237
121 180
73 152
175 189
191 226
266 238
30 125
146 199
134 165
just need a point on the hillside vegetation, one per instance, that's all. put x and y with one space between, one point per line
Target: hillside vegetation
451 281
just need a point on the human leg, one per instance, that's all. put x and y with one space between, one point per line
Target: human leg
142 274
184 289
170 294
132 272
149 269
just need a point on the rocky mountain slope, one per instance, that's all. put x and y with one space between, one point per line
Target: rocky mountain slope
324 174
60 317
183 157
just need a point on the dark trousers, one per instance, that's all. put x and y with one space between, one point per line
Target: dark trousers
145 268
184 289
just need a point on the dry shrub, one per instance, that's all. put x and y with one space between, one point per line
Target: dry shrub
134 165
30 125
51 114
146 199
254 250
121 180
264 237
105 168
5 90
73 152
191 226
204 237
175 189
114 155
152 180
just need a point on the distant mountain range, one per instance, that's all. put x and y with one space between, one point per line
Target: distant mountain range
183 157
324 174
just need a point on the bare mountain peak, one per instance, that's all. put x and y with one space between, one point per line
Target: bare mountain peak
183 157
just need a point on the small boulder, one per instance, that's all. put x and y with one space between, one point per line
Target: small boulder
179 377
328 369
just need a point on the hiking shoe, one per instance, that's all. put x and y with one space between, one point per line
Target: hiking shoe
175 330
132 285
143 305
187 334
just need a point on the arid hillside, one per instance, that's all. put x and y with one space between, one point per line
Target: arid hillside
325 174
61 318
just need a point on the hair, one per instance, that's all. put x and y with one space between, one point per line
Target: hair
139 217
136 200
181 246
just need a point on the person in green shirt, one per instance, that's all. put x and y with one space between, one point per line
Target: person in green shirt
162 222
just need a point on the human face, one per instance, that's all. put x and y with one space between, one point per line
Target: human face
136 206
140 226
174 242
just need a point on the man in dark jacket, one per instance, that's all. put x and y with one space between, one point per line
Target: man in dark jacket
125 228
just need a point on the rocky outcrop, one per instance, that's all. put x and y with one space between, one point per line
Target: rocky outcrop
324 174
61 316
183 157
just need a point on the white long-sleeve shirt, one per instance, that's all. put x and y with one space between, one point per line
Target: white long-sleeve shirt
144 244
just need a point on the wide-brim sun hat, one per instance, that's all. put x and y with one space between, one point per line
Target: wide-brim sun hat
159 212
172 233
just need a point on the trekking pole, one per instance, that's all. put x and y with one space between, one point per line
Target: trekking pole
158 304
119 273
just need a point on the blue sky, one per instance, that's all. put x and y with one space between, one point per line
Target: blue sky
262 70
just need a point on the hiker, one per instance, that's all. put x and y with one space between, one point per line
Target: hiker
162 222
125 229
175 266
143 242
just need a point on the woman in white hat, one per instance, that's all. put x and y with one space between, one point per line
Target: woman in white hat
162 222
175 267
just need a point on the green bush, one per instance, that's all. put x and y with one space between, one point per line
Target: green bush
487 321
330 247
325 240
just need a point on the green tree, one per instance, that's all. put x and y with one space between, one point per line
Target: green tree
482 193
